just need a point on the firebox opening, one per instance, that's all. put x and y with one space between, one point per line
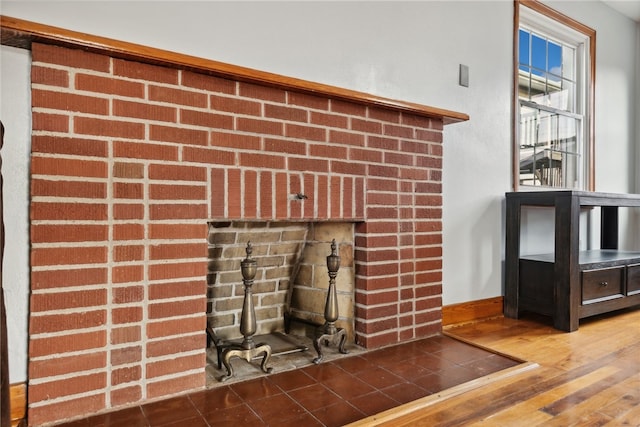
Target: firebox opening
291 283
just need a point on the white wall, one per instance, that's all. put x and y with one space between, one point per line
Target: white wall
402 50
15 113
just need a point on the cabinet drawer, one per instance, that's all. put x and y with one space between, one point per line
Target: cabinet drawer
603 283
633 279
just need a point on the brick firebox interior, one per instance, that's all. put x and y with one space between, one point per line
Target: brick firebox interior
131 162
291 281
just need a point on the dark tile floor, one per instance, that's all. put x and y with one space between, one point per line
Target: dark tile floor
333 393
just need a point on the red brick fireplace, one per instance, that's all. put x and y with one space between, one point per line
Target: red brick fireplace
132 158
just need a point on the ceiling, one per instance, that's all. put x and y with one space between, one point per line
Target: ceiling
630 8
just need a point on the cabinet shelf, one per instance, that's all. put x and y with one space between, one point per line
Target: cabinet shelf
570 284
592 257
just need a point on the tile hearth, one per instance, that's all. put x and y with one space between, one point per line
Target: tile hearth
340 390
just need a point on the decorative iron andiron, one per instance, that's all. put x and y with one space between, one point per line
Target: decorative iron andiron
329 332
247 349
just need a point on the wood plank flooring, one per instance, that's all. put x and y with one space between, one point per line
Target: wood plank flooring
590 377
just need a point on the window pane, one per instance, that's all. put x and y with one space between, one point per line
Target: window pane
549 148
528 150
554 62
567 136
559 169
523 48
528 126
546 132
524 83
556 96
568 63
569 89
538 54
538 87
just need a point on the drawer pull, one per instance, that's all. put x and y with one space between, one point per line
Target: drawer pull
604 284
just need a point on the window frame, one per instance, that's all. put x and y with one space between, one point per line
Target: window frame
590 35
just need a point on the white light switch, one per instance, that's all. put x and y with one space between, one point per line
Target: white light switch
464 75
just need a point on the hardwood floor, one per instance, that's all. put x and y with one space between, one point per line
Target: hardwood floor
590 377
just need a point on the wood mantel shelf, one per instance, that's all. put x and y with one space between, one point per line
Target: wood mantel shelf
21 33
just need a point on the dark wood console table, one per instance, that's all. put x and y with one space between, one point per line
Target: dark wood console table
570 284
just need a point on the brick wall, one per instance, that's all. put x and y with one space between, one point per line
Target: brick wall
130 162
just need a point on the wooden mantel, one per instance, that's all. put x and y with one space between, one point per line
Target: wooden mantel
21 33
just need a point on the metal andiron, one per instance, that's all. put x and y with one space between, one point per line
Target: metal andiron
329 332
248 349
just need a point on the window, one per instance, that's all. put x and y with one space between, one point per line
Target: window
553 133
